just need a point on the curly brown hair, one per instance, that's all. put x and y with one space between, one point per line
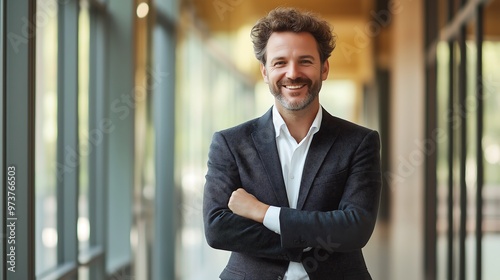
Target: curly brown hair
290 19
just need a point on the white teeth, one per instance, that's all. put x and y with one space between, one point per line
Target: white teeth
294 87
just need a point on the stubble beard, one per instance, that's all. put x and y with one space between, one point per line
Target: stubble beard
312 93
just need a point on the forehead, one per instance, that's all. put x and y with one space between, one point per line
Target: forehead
291 43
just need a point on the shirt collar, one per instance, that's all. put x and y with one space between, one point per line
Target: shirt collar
280 124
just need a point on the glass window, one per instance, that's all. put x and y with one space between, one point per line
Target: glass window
448 243
46 166
471 139
223 99
86 140
443 61
491 140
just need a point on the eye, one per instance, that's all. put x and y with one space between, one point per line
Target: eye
279 63
306 61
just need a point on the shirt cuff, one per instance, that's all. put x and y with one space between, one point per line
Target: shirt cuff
272 219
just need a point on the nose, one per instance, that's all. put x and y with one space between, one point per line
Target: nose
292 71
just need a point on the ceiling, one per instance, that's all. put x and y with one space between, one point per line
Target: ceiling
353 56
229 14
359 43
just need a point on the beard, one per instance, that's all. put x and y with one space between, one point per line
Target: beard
312 93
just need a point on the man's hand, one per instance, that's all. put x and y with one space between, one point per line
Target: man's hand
247 205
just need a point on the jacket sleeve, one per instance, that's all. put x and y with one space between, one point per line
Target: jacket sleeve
351 225
225 230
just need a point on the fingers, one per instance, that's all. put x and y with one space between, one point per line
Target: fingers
237 197
247 205
240 192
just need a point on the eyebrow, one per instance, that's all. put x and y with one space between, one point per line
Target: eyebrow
283 58
306 56
276 58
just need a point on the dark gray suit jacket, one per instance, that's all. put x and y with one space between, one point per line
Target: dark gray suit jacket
336 209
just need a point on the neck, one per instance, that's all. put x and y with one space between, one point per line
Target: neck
299 122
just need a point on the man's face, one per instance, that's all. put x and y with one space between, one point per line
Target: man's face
293 69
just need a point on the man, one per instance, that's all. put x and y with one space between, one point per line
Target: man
293 194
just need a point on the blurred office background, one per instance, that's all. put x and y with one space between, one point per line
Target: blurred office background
109 106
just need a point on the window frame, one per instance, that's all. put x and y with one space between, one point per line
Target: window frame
18 148
17 123
459 15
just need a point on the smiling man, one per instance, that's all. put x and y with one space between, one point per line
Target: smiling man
293 194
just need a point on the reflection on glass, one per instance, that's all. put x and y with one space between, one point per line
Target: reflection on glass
221 97
83 273
491 97
491 146
46 238
86 147
471 106
443 88
491 151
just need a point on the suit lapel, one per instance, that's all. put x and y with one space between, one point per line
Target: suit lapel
320 145
264 138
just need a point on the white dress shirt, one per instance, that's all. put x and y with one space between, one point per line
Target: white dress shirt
292 156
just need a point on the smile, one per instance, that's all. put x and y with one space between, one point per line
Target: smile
294 86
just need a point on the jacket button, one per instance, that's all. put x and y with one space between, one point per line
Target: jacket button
279 278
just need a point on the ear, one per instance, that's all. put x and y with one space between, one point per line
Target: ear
263 71
325 69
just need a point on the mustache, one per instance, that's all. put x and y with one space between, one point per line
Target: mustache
297 81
